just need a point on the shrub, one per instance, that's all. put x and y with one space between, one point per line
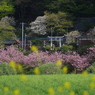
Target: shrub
71 69
36 42
66 48
21 49
83 49
57 48
50 68
48 47
27 70
91 69
75 46
26 52
5 69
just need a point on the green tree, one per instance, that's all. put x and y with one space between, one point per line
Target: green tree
7 31
58 22
6 8
79 8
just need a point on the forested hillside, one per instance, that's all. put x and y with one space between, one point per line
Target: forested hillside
61 14
26 10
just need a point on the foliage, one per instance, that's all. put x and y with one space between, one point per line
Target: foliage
32 60
66 84
10 54
75 46
27 69
5 69
6 8
79 8
7 32
48 47
83 49
70 37
8 21
57 48
66 48
39 25
91 32
80 63
91 69
27 9
58 22
70 68
31 8
36 42
6 29
26 52
50 68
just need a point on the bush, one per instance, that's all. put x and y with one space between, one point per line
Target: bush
91 69
50 68
5 69
57 48
27 70
36 42
66 48
83 49
71 69
75 46
26 52
48 47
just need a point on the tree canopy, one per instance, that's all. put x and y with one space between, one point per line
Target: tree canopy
79 8
7 31
28 10
58 22
6 8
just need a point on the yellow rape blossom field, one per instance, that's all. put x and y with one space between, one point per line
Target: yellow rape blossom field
63 84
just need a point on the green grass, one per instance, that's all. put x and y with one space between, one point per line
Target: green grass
39 84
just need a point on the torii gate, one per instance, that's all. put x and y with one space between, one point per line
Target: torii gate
56 38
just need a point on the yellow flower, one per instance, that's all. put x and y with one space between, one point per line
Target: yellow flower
60 89
59 63
85 73
93 78
6 89
92 85
65 69
12 64
23 77
34 49
72 93
51 91
16 92
19 68
85 93
67 85
37 71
